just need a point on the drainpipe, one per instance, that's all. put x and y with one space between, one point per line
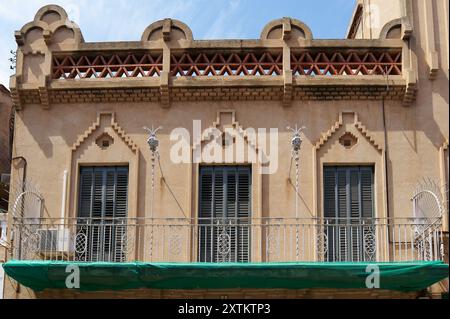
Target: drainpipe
62 235
386 149
386 156
63 199
24 178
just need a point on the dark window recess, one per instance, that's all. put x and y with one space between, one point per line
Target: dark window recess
102 213
348 213
224 214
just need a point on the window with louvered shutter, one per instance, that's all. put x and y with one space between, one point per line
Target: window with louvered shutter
348 209
224 214
102 209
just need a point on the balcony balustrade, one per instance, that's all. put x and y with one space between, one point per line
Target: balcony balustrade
230 63
227 240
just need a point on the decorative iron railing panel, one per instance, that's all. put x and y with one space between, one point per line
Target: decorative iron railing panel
227 64
120 65
228 240
352 63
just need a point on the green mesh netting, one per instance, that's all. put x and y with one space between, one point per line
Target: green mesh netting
100 276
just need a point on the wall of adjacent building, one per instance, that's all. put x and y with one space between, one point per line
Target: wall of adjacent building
5 110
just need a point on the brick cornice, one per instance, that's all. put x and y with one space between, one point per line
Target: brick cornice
180 94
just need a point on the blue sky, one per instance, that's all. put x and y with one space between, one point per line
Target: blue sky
115 20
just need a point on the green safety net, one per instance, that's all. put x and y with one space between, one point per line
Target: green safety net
101 276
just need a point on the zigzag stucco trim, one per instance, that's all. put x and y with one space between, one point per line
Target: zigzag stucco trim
95 125
359 126
205 135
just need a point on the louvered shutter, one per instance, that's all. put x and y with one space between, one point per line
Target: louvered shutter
103 199
348 197
342 213
85 206
120 212
354 230
205 214
231 213
224 211
329 194
367 211
366 192
121 205
244 213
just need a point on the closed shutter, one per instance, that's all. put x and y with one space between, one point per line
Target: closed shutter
367 211
86 190
205 214
341 213
348 199
329 209
224 211
103 199
243 213
366 192
355 215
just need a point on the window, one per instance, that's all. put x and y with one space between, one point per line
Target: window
102 213
348 212
224 214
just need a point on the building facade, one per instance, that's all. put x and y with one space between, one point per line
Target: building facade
5 111
272 167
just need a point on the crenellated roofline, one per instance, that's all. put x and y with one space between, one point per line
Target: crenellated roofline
168 64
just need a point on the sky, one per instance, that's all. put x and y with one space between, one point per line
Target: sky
125 20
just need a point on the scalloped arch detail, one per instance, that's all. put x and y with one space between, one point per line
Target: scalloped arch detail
165 29
402 23
286 28
49 29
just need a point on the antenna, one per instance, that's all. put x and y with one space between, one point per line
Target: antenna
13 60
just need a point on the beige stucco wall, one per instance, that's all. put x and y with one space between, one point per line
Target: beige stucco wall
62 137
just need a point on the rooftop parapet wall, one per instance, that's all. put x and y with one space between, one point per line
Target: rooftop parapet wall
55 64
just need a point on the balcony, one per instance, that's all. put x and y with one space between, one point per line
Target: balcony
269 253
228 240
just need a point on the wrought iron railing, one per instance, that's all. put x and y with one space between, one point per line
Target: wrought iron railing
227 240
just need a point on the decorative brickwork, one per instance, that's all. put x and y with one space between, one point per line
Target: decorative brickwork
107 66
227 64
352 63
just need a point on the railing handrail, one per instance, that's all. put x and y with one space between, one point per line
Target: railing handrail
228 239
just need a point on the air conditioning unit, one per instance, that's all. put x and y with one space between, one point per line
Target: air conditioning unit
5 178
54 240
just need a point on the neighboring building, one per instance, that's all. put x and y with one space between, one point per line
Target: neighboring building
5 111
5 168
375 111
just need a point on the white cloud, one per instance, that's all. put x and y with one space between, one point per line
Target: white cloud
227 23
